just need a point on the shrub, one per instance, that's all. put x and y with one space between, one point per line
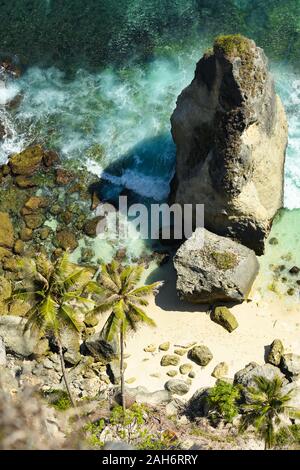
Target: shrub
223 402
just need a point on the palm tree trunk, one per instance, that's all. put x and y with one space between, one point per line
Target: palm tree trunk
63 369
123 399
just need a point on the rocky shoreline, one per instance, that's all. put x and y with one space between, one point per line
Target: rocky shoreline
231 134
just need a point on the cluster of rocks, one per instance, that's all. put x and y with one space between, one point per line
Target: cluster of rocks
28 359
285 366
196 354
230 131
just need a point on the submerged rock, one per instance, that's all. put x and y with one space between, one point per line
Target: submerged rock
230 130
212 268
26 163
6 231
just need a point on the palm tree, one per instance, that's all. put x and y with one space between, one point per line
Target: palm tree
266 405
55 292
121 294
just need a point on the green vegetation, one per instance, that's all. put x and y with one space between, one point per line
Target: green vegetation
223 401
59 399
224 260
287 436
125 299
266 405
131 427
51 288
232 45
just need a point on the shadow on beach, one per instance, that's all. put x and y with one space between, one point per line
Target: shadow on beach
167 298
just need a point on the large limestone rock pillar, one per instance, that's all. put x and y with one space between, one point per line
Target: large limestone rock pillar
230 131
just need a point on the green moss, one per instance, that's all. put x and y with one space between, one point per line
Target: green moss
232 45
224 260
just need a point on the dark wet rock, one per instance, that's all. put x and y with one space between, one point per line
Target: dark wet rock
6 231
101 349
211 268
66 240
294 270
90 227
230 130
26 163
24 182
19 247
64 177
26 234
34 221
50 158
197 405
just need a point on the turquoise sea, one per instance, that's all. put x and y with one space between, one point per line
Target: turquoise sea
101 79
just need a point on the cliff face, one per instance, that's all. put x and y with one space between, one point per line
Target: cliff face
230 131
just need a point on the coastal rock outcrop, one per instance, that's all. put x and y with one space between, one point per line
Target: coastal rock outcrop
247 375
230 130
211 268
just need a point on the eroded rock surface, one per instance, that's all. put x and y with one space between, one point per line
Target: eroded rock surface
230 130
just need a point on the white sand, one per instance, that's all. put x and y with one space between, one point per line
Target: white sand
260 322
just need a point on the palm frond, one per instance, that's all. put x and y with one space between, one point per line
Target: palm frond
106 281
141 315
69 317
111 327
114 268
106 304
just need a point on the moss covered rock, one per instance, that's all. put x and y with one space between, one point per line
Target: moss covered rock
26 163
6 231
169 360
201 355
275 353
225 318
5 288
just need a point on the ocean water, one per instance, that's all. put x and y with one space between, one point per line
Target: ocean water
114 119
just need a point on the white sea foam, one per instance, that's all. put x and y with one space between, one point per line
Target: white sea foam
98 119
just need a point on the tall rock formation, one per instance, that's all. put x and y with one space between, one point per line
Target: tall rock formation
230 131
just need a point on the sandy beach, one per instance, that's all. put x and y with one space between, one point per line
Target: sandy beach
260 322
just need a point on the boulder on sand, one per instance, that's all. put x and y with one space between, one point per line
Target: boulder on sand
211 268
246 376
230 131
224 317
275 353
201 355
